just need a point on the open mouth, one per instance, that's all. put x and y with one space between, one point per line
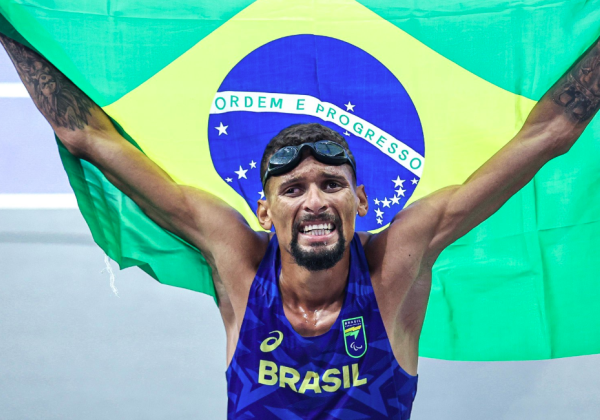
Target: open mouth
316 229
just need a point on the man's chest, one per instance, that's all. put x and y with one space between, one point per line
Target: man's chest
311 323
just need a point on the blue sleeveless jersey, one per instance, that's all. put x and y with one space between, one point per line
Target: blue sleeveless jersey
349 372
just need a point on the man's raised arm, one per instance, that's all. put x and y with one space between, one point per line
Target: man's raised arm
199 217
552 127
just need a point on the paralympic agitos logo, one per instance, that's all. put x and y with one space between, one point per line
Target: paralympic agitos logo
309 78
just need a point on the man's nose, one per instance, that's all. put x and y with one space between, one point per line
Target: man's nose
315 200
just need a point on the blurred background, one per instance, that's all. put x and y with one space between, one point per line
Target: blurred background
70 348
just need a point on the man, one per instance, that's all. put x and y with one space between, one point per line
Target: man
321 322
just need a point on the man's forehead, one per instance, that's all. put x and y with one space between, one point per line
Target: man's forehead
312 168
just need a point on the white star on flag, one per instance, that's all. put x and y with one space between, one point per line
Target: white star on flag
346 133
222 128
241 173
400 192
379 213
252 164
386 203
398 182
228 179
349 106
376 202
379 221
262 194
395 200
414 181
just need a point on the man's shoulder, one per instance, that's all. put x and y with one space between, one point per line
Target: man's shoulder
364 237
401 244
261 246
241 255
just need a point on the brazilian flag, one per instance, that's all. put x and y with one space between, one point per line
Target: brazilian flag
424 92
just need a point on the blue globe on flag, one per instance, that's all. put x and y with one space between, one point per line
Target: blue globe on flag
310 78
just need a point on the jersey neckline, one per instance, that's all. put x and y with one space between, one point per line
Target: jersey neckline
279 298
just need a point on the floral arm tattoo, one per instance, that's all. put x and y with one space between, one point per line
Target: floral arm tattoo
579 91
59 100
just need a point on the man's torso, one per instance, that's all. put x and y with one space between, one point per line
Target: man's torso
274 366
402 308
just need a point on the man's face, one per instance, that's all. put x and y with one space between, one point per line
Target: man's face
313 208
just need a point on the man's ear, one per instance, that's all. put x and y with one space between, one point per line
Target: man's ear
262 212
363 202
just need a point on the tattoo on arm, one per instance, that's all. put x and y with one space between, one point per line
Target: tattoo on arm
579 91
61 102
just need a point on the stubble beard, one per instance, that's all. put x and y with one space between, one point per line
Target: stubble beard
317 260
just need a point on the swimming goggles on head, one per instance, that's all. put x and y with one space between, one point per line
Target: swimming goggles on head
288 157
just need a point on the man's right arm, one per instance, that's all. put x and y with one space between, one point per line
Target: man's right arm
202 219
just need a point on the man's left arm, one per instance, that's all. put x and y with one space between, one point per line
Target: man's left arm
401 257
552 127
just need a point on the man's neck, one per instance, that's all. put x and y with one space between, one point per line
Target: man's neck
312 290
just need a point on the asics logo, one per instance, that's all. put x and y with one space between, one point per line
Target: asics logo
271 343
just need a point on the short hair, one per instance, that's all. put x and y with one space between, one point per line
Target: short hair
297 134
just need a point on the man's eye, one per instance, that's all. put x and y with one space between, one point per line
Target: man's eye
333 184
291 190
